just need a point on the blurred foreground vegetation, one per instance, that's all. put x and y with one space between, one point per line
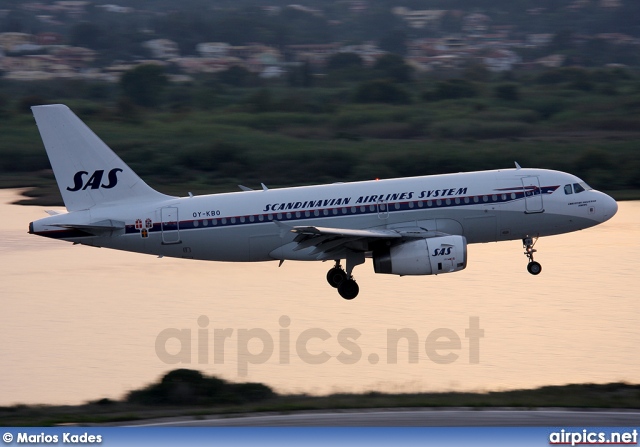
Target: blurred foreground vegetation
185 392
352 123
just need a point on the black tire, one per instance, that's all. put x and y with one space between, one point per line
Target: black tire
348 289
534 268
336 276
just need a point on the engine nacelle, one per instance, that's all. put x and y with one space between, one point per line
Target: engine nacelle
432 256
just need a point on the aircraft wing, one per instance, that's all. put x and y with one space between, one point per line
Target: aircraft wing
332 242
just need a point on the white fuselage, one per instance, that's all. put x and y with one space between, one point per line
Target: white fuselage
483 206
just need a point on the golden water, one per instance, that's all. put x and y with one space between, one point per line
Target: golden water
80 323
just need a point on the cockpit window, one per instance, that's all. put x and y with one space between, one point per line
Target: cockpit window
577 187
567 189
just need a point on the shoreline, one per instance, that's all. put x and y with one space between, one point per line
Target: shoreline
611 397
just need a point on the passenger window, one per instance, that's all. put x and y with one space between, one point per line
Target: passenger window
567 189
577 187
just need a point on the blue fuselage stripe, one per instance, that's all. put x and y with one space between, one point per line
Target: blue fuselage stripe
502 197
351 210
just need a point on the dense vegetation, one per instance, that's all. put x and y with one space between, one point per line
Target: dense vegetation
190 387
355 123
186 392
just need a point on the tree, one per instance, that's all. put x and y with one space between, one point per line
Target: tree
451 89
27 102
190 387
451 23
87 35
340 61
260 101
144 84
507 92
237 76
562 41
16 21
477 73
395 42
300 75
345 67
381 90
393 67
378 21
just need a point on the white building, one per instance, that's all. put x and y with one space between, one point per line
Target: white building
162 48
213 49
8 41
116 9
419 18
501 60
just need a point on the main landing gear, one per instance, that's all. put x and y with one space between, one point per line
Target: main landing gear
533 267
343 281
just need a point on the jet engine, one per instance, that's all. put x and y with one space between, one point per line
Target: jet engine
431 256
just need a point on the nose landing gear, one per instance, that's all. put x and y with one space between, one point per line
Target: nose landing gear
533 267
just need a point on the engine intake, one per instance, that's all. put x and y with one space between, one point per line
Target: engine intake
432 256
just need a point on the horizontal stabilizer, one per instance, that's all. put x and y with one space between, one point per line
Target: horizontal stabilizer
100 228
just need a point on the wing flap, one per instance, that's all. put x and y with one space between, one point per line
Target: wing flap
347 233
334 243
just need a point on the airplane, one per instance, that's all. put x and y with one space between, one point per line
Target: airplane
408 226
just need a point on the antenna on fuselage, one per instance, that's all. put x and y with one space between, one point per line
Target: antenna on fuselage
517 165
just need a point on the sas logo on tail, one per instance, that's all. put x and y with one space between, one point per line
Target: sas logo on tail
95 181
442 251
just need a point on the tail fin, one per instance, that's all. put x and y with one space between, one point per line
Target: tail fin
88 172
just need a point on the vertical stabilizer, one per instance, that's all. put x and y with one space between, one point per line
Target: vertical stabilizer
88 172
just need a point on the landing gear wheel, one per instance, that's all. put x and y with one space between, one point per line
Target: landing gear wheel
534 268
336 276
348 289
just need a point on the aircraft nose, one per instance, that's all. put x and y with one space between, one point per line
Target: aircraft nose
609 207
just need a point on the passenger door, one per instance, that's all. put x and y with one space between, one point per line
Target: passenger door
532 194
